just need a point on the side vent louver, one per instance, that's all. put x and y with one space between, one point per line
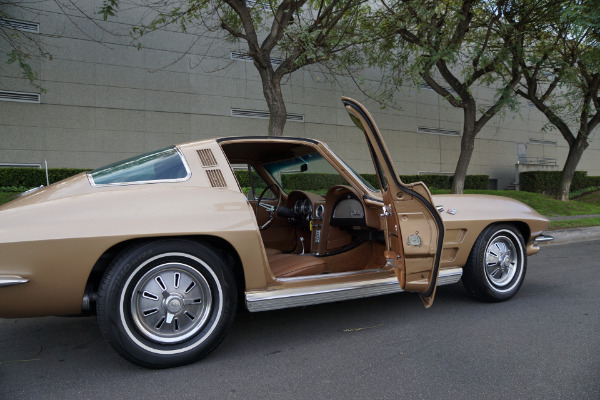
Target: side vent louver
24 26
216 178
207 158
20 97
437 131
236 112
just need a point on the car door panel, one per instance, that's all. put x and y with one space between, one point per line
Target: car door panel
414 231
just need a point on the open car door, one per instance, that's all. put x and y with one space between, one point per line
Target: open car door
414 230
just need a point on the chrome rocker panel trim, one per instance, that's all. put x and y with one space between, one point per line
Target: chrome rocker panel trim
10 280
297 297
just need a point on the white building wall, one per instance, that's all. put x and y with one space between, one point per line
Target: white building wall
106 101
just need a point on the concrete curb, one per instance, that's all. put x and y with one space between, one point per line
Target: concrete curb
573 235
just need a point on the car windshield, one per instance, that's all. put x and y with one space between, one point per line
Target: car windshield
162 165
311 172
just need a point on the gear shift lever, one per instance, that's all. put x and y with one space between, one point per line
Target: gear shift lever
302 244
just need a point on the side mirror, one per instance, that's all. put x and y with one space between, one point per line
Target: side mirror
304 168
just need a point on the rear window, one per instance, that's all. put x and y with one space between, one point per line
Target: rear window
165 165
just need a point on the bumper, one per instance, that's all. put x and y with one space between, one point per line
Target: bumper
10 280
543 239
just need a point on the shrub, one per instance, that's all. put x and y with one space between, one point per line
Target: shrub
316 181
546 182
13 189
479 182
33 177
242 177
311 181
580 192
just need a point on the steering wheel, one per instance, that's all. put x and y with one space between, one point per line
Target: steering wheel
271 209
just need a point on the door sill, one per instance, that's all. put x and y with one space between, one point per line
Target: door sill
266 300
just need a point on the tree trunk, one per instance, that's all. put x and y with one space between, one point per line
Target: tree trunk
467 144
272 91
575 152
460 173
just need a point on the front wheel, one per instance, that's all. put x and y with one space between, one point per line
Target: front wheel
497 264
166 303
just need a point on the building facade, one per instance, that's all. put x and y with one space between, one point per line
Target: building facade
105 100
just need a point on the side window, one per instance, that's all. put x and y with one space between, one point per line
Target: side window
251 182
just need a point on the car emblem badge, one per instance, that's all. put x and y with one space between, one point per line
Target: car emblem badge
451 211
414 240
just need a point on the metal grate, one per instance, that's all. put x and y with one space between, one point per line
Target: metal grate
437 131
24 26
21 97
236 55
427 87
240 56
236 112
207 158
295 117
216 178
541 141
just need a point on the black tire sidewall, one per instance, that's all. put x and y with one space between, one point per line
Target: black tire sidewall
114 310
475 277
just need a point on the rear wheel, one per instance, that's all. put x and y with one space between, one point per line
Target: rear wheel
166 303
497 264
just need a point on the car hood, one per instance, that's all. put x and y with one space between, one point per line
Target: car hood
471 207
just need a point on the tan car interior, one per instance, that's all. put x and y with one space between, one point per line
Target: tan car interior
314 241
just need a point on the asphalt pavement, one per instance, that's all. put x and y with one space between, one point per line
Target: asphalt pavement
541 344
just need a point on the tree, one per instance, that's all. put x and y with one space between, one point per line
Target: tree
20 41
561 76
452 46
20 46
304 32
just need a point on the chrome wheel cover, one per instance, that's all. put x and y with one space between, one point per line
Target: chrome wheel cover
501 261
170 303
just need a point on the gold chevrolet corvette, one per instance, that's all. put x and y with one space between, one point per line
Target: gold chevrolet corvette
165 247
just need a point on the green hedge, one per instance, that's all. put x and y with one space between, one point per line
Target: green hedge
311 181
479 182
315 181
33 177
546 182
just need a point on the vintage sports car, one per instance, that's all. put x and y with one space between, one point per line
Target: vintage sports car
166 246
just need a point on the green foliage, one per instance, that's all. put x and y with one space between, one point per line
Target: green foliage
580 192
33 177
298 33
547 182
574 223
5 197
315 181
21 47
544 204
311 181
13 189
108 8
445 181
242 177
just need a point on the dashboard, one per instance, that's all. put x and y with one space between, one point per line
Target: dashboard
331 222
